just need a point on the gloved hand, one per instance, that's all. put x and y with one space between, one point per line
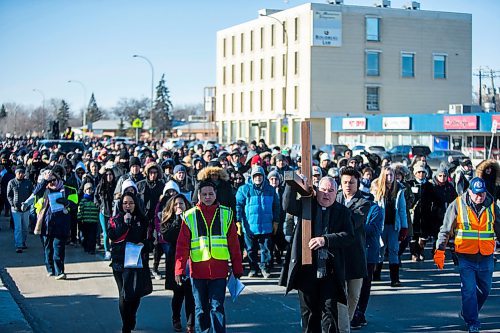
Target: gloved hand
402 234
179 279
238 226
275 227
439 258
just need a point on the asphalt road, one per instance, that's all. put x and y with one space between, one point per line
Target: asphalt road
428 301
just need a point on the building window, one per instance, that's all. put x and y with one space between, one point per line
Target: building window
273 28
241 102
232 74
233 44
224 75
242 43
439 61
296 97
262 69
372 63
242 72
272 67
223 103
262 37
296 30
296 63
251 70
373 29
261 100
272 99
251 101
407 65
251 40
232 103
224 47
372 99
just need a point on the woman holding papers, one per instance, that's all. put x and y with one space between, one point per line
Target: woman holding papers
170 226
128 230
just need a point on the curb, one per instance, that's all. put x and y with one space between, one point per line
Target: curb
11 316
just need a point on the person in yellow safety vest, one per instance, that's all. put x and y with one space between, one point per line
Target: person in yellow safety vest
474 219
209 239
69 134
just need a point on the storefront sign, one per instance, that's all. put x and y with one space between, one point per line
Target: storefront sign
354 123
327 28
497 118
393 123
460 122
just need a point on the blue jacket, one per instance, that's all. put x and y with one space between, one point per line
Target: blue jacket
56 224
401 219
373 229
257 208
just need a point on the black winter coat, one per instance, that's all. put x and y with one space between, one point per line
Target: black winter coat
170 232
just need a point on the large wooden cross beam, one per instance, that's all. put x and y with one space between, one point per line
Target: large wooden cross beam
303 187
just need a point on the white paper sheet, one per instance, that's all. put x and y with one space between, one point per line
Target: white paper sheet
54 205
235 287
133 255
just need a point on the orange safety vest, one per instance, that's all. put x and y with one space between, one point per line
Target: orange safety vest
474 235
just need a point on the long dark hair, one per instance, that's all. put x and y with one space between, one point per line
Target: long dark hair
169 210
138 213
105 185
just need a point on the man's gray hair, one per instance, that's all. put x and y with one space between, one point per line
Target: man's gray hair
329 179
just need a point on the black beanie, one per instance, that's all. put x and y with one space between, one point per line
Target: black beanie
134 161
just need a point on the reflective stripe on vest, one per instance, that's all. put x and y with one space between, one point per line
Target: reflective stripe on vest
207 242
474 235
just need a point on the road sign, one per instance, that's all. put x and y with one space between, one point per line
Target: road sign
284 128
494 126
137 123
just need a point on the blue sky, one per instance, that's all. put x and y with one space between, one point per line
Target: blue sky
45 43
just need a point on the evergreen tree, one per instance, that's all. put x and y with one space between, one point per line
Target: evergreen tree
3 112
63 114
121 128
93 112
162 110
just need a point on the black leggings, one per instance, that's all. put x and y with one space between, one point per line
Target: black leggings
365 289
128 309
183 293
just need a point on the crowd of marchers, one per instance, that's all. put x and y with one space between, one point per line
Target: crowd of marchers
207 209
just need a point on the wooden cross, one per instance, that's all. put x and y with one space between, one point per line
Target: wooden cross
303 187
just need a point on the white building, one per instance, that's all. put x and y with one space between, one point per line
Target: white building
342 60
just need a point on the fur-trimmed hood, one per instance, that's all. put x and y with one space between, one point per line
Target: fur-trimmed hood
205 173
480 169
153 165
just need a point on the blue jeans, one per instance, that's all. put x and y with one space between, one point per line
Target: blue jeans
104 227
55 252
252 244
21 223
209 298
390 237
476 276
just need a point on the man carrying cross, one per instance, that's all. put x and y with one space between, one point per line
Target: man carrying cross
320 284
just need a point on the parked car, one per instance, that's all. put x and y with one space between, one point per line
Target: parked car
377 150
436 157
334 150
64 145
405 153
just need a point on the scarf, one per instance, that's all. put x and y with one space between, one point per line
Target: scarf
321 228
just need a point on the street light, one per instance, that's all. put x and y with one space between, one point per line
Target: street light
152 88
285 32
44 121
84 100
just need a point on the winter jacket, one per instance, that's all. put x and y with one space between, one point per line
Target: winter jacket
169 233
493 179
373 229
104 198
135 178
443 196
150 192
422 217
257 207
55 224
401 219
359 207
17 192
88 211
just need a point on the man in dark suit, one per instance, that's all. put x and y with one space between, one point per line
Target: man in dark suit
320 285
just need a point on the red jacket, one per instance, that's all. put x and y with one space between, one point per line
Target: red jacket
212 268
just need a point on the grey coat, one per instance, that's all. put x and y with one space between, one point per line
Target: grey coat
18 192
